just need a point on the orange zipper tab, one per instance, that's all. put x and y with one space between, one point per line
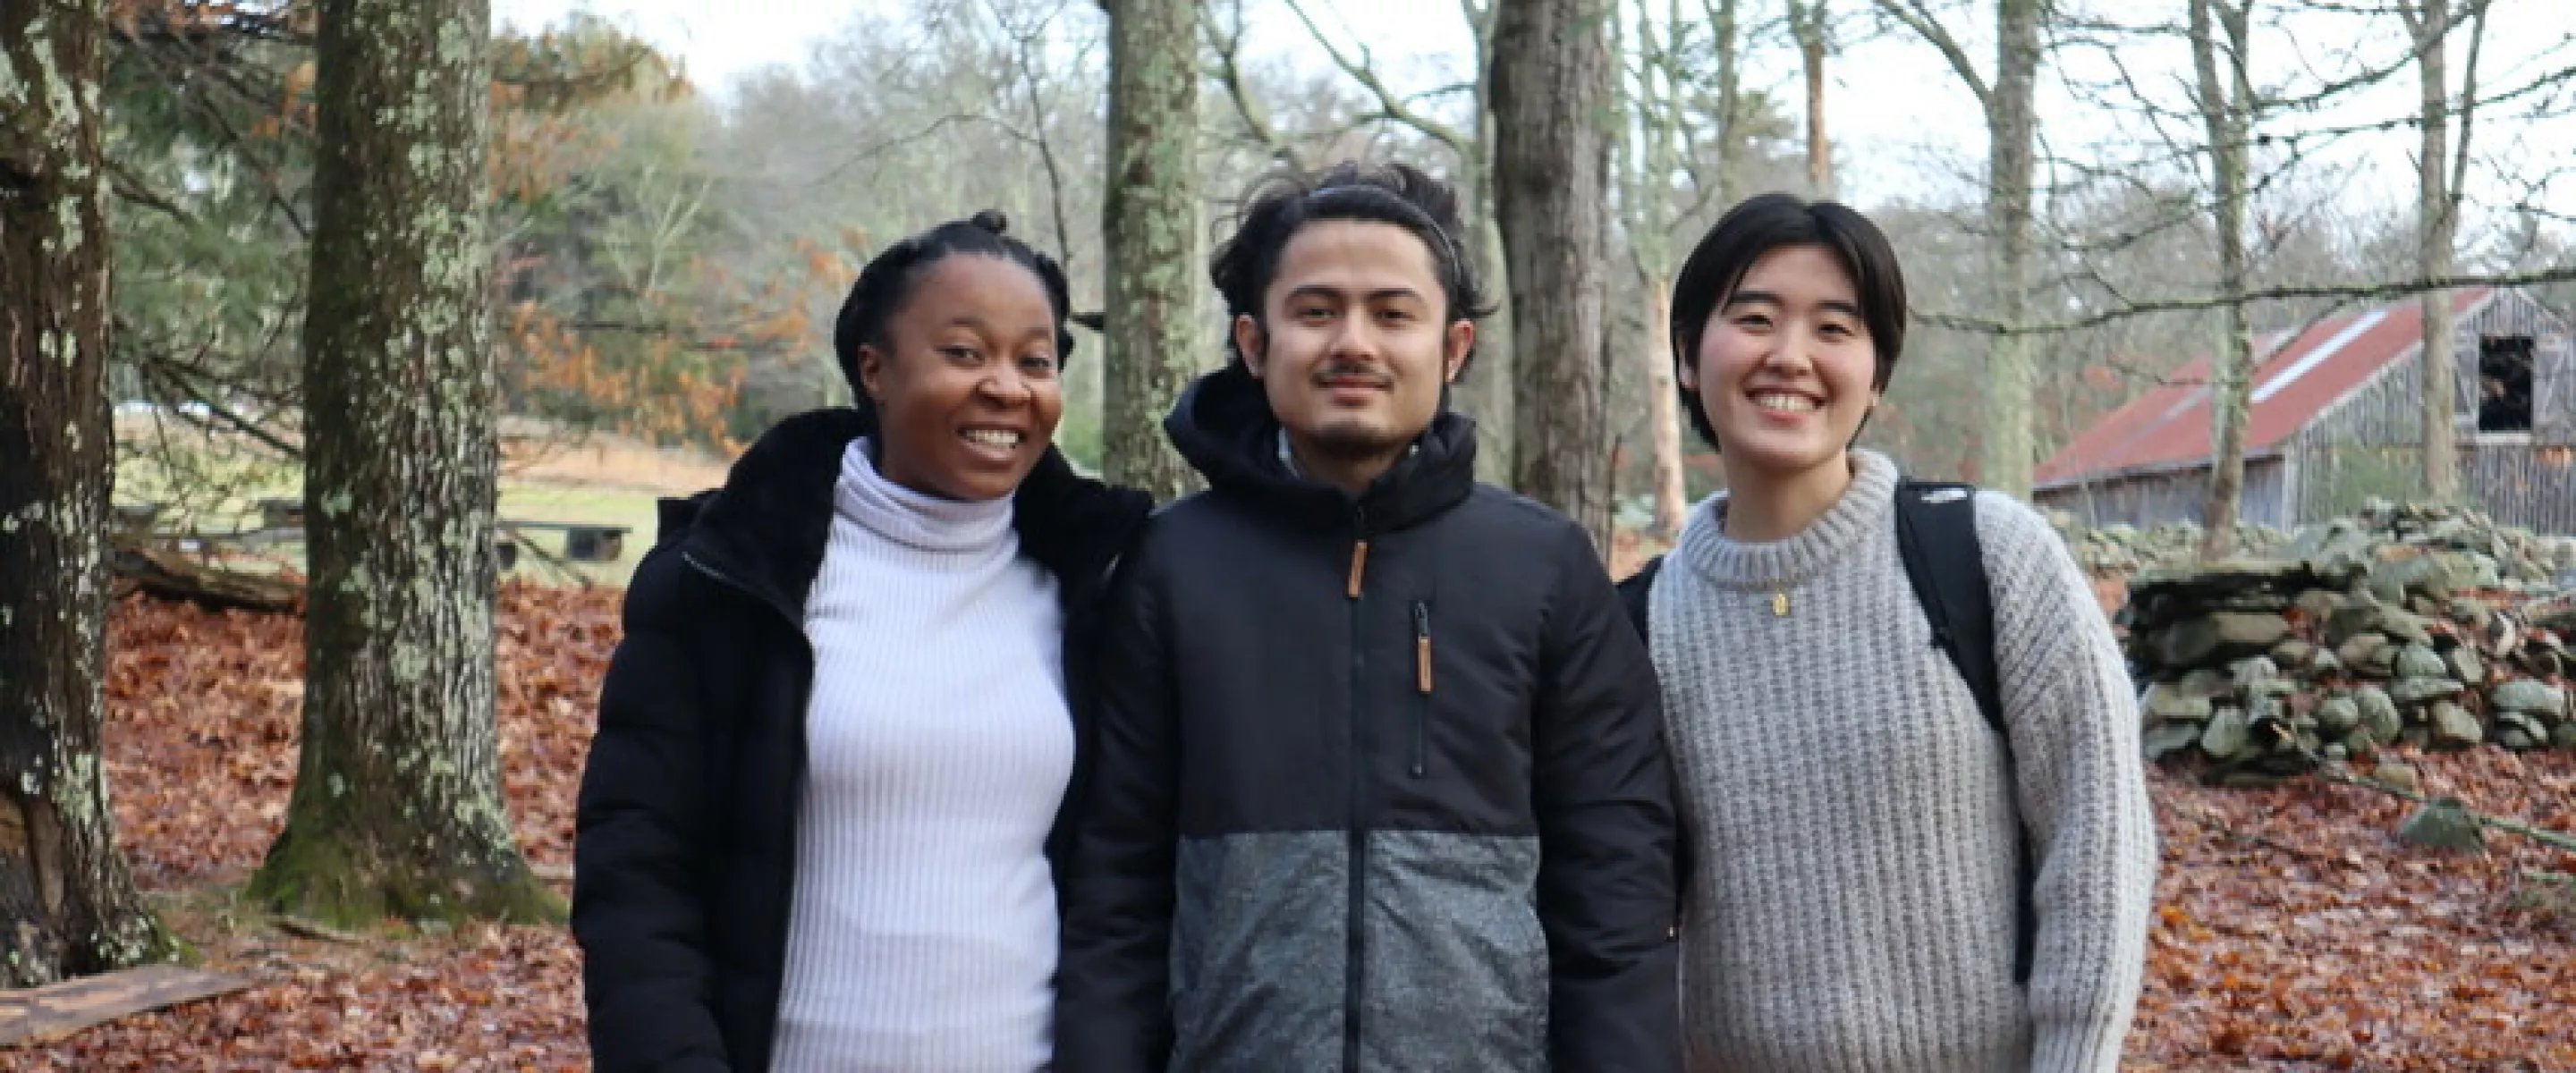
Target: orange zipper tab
1359 568
1422 647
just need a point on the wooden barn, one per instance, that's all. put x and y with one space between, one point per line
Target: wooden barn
2336 419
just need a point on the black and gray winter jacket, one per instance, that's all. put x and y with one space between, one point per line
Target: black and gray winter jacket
1381 782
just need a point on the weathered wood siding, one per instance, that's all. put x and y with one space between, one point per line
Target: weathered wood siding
2383 412
2157 498
2519 481
2553 387
2367 444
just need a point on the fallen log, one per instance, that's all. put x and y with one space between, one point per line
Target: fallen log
57 1010
169 574
2335 772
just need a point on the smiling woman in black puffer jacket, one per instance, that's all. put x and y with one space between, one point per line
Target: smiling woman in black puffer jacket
821 813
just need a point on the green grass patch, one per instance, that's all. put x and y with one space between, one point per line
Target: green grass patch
221 493
538 502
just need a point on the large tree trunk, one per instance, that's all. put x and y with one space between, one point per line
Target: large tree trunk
1725 38
1663 155
67 903
1646 156
1491 383
1552 96
1672 490
397 809
1807 26
2435 223
1151 219
2011 124
2223 109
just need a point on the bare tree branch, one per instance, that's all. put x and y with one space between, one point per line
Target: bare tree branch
1393 106
1025 43
1919 18
2467 110
886 145
1227 43
2388 291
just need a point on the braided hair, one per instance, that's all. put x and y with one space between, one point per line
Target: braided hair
886 284
1397 194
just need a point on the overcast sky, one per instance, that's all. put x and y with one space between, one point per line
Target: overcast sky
1424 42
1902 124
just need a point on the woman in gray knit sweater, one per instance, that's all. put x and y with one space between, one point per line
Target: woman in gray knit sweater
1852 817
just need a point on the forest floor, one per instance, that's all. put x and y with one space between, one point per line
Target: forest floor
2291 929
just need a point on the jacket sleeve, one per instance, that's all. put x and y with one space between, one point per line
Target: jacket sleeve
1636 598
1607 834
2082 792
641 818
1113 984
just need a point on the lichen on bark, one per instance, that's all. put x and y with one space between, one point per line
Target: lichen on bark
67 902
1151 219
397 809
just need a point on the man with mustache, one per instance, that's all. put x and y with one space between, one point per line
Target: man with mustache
1380 783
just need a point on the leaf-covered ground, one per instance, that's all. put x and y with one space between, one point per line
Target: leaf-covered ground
2292 931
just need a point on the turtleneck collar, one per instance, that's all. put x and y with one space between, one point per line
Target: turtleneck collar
914 519
1863 510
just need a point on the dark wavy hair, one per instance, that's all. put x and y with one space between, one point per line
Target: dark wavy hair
1767 222
887 282
1388 193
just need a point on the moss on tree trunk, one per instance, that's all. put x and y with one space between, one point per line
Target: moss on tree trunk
397 809
359 859
1151 222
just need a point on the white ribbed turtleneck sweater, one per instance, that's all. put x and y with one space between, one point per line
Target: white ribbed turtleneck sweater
922 935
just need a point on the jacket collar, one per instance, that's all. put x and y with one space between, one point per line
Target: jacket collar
766 529
1223 427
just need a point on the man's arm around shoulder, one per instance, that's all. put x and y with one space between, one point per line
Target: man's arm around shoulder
1113 983
1608 833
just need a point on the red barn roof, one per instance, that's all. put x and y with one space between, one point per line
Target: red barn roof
2294 379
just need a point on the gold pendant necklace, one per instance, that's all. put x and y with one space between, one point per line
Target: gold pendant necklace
1780 604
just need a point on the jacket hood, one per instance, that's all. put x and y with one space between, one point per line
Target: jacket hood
1223 427
766 528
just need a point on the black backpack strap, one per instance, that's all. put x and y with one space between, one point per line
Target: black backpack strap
1633 593
1936 532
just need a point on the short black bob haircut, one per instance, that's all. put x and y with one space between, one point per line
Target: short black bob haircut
1389 193
1767 222
885 285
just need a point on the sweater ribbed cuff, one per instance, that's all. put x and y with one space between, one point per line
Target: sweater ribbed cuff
2077 1047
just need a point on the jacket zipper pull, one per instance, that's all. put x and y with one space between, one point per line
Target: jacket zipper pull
1422 687
1422 647
1359 552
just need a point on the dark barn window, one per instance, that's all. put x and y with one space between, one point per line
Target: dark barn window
2504 383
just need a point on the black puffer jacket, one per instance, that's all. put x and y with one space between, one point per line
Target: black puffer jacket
1381 782
685 853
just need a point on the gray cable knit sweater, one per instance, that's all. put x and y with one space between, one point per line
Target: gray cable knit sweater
1851 820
